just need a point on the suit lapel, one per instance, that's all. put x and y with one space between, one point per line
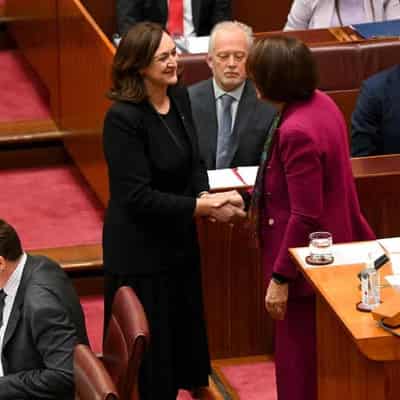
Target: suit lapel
163 4
247 104
195 14
18 302
210 135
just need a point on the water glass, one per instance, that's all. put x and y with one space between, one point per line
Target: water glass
320 248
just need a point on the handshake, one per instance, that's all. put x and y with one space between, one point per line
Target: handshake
222 207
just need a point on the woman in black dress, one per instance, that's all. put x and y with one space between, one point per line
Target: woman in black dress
157 187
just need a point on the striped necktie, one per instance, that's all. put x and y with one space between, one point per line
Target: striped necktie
225 138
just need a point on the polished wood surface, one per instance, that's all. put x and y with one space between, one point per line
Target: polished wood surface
15 129
85 70
32 157
377 180
343 371
83 264
313 37
346 101
104 13
262 15
36 33
75 258
356 359
338 286
234 290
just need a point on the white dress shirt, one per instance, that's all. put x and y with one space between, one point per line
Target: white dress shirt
236 94
10 288
312 14
352 12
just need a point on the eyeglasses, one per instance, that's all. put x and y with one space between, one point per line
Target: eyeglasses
165 56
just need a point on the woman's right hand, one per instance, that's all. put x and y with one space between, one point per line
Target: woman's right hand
223 207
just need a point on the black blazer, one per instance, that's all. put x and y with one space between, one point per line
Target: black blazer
149 224
252 123
206 13
45 324
375 124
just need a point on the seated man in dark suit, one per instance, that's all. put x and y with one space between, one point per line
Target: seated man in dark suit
41 321
232 123
197 16
375 125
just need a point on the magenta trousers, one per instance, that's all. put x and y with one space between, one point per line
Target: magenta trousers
295 351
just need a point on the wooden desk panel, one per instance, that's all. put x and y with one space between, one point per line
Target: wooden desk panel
346 101
262 15
85 69
104 13
356 359
312 37
234 292
377 179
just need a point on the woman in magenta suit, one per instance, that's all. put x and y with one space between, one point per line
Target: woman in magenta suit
305 184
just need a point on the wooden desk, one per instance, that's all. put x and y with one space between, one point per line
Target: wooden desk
377 181
356 359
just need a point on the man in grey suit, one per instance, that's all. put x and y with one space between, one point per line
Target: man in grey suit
231 133
41 321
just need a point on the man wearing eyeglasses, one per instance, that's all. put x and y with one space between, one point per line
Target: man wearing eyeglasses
232 124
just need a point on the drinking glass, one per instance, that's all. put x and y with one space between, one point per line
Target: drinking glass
320 248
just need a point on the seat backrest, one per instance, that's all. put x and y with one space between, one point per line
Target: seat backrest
92 381
125 342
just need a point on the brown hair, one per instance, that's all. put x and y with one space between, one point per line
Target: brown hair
10 244
135 52
283 69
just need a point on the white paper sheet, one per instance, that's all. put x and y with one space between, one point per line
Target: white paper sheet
223 178
394 281
345 255
391 245
196 45
395 260
248 174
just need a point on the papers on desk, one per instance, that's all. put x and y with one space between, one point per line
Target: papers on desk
192 44
392 247
346 254
235 178
248 174
394 280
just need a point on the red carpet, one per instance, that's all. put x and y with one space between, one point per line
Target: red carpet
253 381
50 207
23 97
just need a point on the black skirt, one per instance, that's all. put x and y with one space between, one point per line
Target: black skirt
178 355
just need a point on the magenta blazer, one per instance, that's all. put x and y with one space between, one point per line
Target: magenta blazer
309 187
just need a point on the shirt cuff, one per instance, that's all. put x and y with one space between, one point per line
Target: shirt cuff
279 278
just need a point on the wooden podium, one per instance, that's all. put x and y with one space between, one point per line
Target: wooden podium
356 360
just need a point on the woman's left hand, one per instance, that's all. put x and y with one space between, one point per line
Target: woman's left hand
276 299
